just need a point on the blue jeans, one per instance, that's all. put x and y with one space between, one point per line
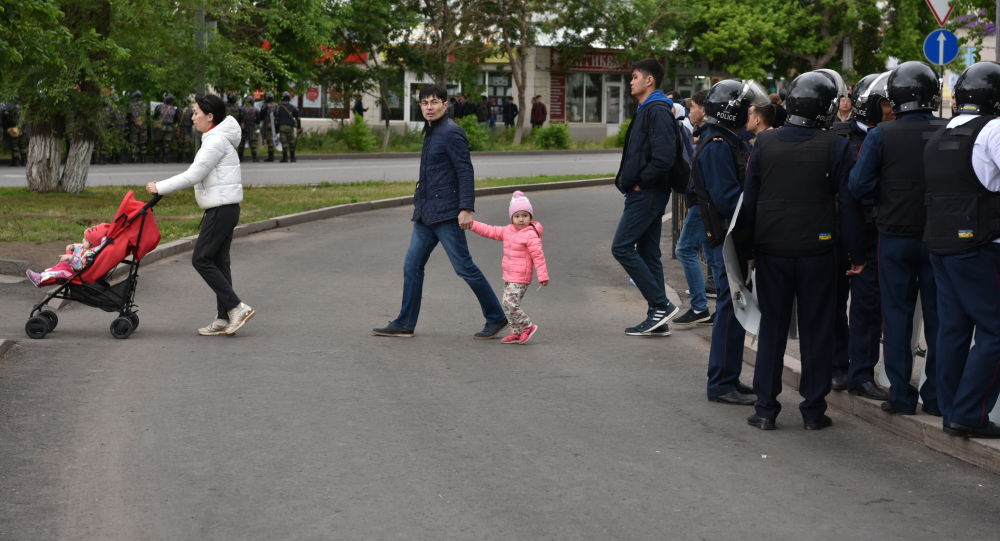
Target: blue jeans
692 238
637 243
423 241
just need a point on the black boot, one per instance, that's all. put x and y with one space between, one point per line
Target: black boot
253 154
291 152
284 155
270 155
13 161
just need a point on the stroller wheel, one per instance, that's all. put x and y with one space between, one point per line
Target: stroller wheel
52 317
134 318
37 327
122 328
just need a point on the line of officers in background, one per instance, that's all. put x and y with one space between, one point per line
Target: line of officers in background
138 130
888 205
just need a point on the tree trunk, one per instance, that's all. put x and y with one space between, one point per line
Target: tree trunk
519 69
383 107
74 178
44 157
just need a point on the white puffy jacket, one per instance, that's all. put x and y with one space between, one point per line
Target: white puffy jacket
215 173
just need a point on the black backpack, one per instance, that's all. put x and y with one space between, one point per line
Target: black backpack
680 172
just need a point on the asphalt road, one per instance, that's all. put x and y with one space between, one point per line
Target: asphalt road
351 170
304 427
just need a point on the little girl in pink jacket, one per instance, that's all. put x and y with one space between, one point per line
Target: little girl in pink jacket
522 254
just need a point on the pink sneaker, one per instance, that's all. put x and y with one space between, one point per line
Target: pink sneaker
526 334
34 277
512 338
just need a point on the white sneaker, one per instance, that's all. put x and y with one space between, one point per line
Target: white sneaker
214 328
238 317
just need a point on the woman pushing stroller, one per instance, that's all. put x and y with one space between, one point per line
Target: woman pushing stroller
218 189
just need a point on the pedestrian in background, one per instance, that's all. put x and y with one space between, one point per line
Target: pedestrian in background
289 127
538 112
138 132
248 122
510 112
650 150
443 205
218 189
359 108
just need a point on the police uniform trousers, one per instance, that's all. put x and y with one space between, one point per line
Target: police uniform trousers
841 332
811 281
968 287
865 322
725 359
904 269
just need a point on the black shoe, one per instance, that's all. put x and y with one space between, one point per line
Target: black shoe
893 410
710 322
744 389
839 382
989 430
711 292
735 398
760 422
692 318
657 318
818 424
393 330
870 390
490 330
931 410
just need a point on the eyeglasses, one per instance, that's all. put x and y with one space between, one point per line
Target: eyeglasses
431 103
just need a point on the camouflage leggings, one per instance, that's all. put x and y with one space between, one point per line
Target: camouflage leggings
512 295
287 136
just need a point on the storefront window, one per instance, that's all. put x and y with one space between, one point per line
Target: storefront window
394 100
584 96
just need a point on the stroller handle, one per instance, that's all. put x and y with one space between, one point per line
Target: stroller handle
152 202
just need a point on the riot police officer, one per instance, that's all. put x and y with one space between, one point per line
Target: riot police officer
717 172
289 124
185 133
854 370
963 235
249 125
166 117
16 133
793 177
138 126
886 168
268 124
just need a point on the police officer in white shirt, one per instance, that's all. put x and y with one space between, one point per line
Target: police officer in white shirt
963 234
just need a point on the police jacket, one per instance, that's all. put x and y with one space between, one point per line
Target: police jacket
793 177
963 212
889 167
857 225
288 115
447 180
717 173
650 146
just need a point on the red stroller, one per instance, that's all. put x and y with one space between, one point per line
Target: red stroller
133 233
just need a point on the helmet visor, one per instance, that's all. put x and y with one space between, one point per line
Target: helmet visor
754 94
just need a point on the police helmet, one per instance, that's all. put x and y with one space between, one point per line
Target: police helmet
728 102
837 80
285 96
168 98
913 86
269 97
977 90
812 99
231 98
868 96
137 95
248 100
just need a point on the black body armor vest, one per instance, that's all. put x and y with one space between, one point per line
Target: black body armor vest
962 214
716 225
900 208
796 208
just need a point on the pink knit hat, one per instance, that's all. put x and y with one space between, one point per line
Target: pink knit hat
518 203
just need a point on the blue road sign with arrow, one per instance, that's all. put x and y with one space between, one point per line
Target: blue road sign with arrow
941 47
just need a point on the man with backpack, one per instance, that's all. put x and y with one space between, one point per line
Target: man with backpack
650 153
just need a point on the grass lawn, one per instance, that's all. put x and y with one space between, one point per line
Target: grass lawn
39 218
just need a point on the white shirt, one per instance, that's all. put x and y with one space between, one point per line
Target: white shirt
985 152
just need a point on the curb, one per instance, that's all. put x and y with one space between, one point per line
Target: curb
920 428
392 155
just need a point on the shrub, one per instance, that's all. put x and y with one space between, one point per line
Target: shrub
475 133
358 137
622 131
552 137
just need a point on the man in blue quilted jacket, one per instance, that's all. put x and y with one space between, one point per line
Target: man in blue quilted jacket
443 204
